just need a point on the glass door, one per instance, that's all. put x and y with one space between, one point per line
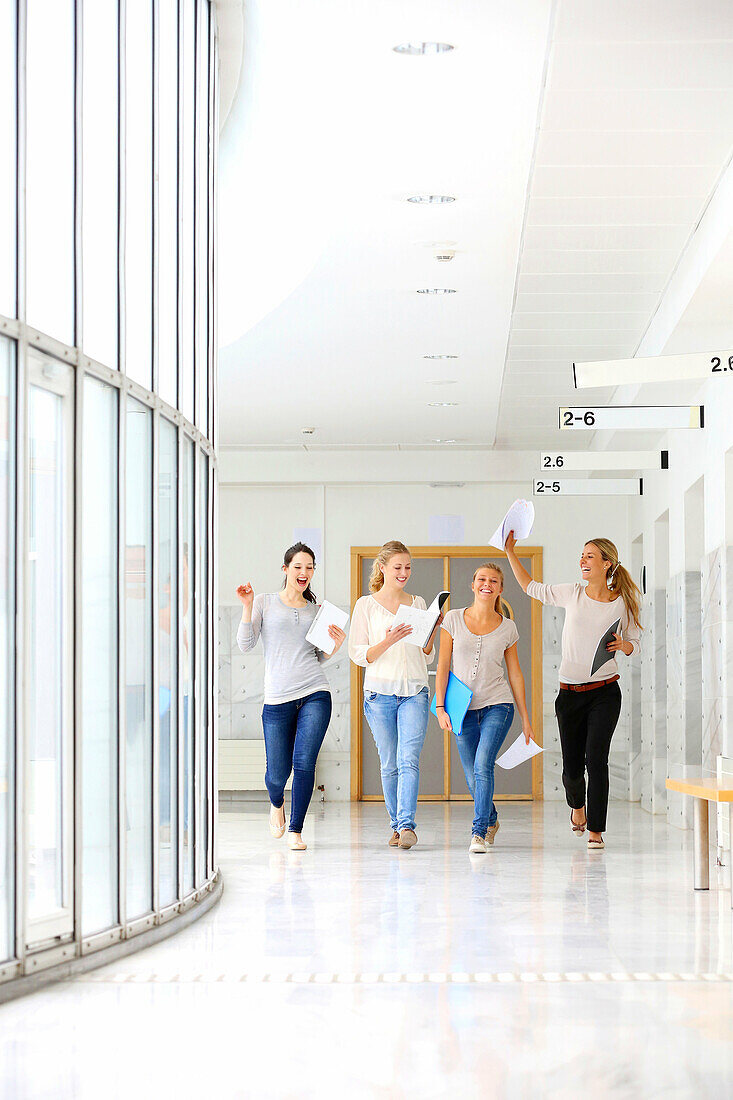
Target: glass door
49 653
441 773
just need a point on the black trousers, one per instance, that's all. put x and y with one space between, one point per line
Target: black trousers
587 720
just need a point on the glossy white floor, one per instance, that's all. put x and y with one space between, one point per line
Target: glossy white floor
355 969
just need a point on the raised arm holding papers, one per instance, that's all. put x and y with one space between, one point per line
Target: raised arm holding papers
518 519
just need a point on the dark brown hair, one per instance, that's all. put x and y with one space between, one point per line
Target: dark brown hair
300 548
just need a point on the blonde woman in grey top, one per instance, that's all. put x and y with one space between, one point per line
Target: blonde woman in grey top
479 646
297 706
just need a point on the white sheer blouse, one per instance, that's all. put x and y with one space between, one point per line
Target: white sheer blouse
403 669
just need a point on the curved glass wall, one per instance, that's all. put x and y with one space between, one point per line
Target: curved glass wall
107 473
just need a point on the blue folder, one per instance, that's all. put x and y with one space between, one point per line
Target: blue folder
457 701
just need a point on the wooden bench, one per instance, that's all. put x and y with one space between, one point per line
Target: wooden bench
703 789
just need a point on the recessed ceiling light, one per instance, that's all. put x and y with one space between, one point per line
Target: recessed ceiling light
420 49
445 441
440 356
442 404
436 290
436 199
441 382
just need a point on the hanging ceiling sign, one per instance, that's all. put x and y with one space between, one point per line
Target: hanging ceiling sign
589 487
605 460
653 418
658 368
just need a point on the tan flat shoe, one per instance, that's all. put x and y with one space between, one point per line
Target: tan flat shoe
296 843
394 840
408 837
491 833
277 828
596 844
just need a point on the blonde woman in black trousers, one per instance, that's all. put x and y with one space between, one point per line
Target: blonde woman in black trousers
588 703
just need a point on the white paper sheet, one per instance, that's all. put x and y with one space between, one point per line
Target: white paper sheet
518 752
519 519
422 622
328 615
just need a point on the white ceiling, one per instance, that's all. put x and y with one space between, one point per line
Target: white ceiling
637 127
321 256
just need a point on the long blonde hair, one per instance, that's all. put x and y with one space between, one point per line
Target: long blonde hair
388 551
495 569
619 579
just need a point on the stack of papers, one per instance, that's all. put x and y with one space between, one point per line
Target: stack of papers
327 615
519 519
422 622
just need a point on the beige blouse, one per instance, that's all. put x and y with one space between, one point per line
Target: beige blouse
403 668
586 621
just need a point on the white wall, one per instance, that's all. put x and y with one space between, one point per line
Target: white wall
689 564
257 521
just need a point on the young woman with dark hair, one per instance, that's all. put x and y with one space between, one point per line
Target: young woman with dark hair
588 703
297 706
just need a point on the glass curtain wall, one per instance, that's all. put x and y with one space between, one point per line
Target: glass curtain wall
107 472
9 145
7 662
168 662
99 634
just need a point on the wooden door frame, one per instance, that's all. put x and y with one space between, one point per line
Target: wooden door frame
534 553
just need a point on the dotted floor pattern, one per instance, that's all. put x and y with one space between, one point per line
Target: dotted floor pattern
305 978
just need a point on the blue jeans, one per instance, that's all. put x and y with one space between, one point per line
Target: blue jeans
481 738
398 724
294 733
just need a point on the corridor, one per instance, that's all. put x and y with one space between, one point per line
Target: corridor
353 969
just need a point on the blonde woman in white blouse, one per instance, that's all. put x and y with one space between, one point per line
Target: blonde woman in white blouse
395 685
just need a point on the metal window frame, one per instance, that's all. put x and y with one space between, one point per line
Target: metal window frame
197 685
61 924
97 940
204 515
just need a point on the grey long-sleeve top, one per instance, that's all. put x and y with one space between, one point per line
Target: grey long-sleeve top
292 665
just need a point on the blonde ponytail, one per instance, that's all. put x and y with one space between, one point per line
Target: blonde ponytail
388 551
619 580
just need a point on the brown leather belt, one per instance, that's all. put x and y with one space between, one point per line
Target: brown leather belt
589 687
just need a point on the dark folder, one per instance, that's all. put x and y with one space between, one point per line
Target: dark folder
602 655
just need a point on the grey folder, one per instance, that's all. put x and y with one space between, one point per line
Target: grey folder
602 654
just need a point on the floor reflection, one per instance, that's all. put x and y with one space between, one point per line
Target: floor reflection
538 968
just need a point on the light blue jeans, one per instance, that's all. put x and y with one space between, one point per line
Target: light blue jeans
398 724
481 738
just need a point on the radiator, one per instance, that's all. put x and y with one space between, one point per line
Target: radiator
242 765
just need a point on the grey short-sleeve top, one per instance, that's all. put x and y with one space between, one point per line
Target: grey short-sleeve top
478 659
